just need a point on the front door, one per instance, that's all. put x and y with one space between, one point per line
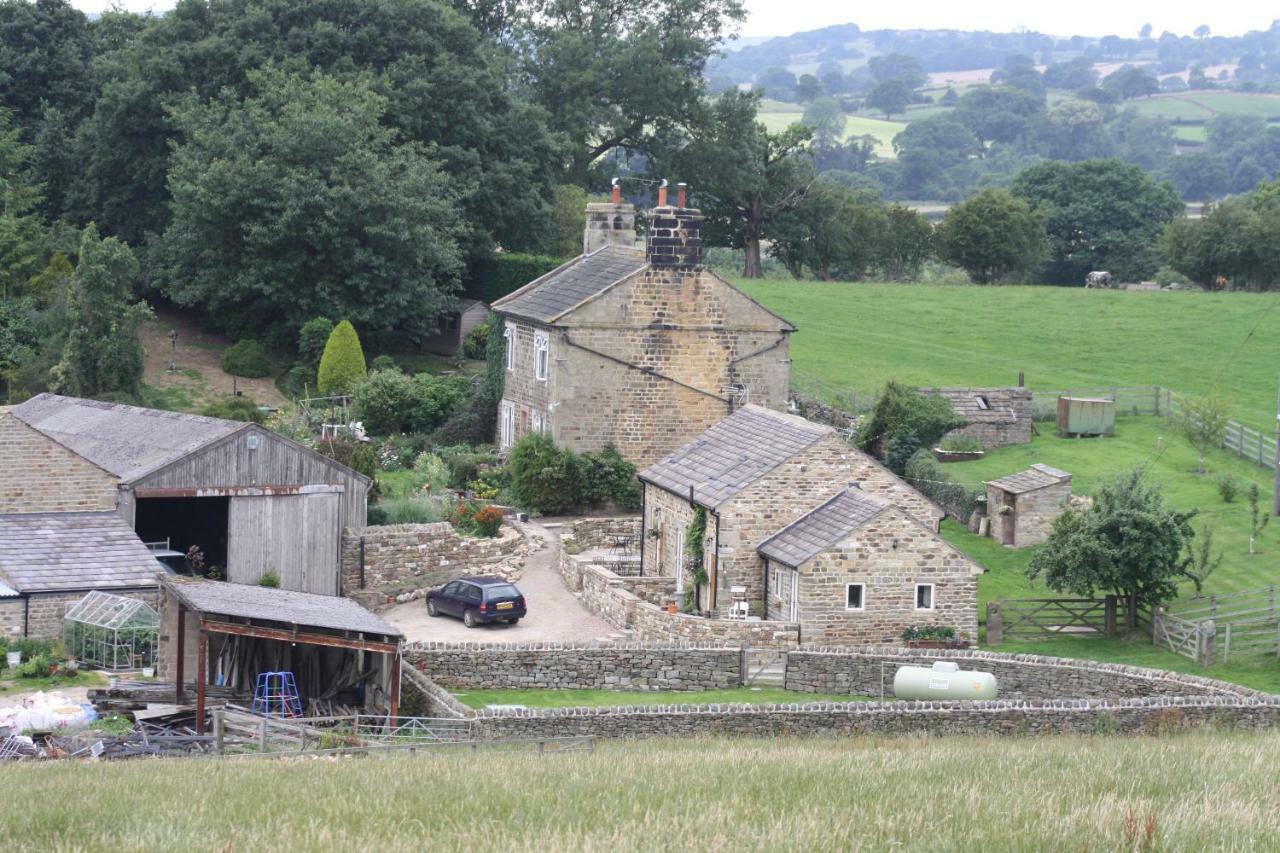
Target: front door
1008 518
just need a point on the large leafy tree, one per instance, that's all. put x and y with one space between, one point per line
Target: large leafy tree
744 177
298 201
21 232
834 233
1127 543
992 236
446 84
46 54
620 73
1101 215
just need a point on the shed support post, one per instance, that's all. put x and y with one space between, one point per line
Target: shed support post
202 661
395 686
180 692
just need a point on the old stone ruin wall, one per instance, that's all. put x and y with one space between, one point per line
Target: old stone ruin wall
402 561
1042 695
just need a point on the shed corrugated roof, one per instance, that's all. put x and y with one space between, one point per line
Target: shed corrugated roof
1036 477
128 441
67 551
823 527
733 454
304 609
546 298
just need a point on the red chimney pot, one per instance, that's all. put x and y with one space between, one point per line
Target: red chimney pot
662 193
682 195
617 192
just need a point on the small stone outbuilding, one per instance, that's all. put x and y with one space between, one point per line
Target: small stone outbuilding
995 417
858 570
1022 507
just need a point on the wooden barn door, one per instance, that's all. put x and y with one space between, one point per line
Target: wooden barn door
297 535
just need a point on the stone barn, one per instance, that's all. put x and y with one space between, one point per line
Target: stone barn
639 347
250 499
857 570
750 475
1022 507
995 417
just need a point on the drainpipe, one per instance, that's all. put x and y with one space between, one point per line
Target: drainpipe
26 615
644 520
362 561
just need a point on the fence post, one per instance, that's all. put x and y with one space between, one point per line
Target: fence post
1157 401
995 625
1157 625
1226 643
1109 617
219 732
1208 631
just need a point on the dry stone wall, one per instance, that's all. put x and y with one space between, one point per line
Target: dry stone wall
561 666
404 559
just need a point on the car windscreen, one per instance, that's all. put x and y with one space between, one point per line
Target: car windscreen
506 590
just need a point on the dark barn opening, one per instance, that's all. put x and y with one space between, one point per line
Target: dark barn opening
185 522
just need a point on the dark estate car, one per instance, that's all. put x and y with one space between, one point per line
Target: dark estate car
477 600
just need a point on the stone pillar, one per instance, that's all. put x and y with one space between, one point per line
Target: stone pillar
609 224
1208 642
995 624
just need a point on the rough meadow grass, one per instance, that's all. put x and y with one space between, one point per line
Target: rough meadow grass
1203 791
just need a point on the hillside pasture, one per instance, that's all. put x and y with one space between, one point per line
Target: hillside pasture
883 131
1204 105
1193 791
853 338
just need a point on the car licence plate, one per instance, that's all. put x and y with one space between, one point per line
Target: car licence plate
506 605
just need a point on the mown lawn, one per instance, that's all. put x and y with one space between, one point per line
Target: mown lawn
854 337
1200 791
583 698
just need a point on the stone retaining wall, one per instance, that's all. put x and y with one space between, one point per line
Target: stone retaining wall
859 672
576 667
598 532
635 604
403 557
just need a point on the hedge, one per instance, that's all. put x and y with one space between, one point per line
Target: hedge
500 274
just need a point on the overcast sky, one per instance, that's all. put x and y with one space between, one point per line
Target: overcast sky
1078 17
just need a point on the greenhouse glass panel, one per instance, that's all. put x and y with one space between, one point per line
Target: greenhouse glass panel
111 631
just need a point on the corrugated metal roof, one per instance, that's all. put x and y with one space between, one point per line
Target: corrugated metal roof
823 527
548 297
304 609
65 551
1036 477
733 454
128 441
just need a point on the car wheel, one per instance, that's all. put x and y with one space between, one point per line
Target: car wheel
469 619
513 621
431 608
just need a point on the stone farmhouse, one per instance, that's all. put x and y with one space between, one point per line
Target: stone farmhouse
753 474
857 570
1022 506
995 417
74 472
639 347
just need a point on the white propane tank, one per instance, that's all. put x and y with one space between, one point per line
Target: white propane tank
943 680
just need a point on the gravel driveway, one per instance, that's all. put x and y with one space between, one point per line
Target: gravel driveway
554 613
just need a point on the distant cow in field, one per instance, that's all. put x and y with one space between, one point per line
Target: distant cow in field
1098 278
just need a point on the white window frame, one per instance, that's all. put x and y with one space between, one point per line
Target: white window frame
541 356
933 601
510 334
507 424
537 421
862 597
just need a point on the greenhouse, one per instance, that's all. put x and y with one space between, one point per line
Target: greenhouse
111 631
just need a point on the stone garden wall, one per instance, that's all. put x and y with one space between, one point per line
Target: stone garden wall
403 559
567 666
599 532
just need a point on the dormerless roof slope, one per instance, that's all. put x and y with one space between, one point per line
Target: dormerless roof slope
70 551
545 299
1036 477
128 441
733 454
823 527
304 609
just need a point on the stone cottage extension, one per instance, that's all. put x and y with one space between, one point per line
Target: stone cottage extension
753 473
638 347
1022 507
995 417
858 570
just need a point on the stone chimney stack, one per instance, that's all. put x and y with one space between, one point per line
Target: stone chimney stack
609 223
675 233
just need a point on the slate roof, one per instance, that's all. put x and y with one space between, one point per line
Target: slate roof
823 527
733 454
547 298
1035 477
304 609
1002 403
69 551
127 441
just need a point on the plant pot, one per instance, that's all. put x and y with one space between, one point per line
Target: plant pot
13 659
673 608
957 455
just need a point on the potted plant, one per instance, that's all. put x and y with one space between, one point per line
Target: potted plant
933 637
958 448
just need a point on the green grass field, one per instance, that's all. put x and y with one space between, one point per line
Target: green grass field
583 698
883 131
854 337
1204 105
1199 791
